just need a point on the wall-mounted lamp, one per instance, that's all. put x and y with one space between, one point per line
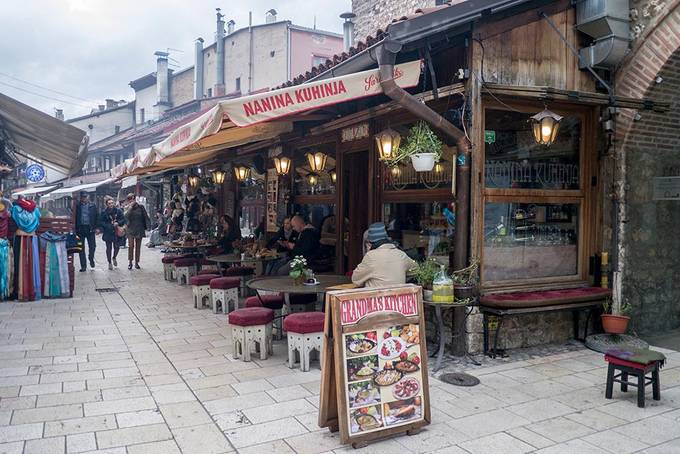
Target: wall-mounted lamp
242 173
317 161
282 165
388 144
218 176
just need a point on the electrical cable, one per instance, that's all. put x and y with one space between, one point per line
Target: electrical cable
43 88
44 96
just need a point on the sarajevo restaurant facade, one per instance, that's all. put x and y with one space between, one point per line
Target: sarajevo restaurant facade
535 216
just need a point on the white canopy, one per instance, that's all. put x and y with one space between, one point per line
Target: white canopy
33 190
89 187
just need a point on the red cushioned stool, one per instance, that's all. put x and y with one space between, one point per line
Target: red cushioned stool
224 293
169 267
200 286
244 273
627 368
250 327
208 265
185 268
305 334
273 301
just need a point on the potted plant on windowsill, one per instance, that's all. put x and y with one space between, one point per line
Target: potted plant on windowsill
466 282
422 146
423 273
615 319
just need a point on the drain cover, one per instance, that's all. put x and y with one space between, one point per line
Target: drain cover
603 342
107 289
459 379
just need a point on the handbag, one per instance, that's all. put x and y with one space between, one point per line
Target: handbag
120 231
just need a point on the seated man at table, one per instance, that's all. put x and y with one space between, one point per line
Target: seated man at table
285 234
384 264
306 245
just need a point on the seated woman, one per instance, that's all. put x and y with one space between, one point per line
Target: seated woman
231 235
384 264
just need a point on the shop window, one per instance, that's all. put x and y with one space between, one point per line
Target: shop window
422 229
322 217
534 201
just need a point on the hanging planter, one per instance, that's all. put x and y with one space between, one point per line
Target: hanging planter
422 146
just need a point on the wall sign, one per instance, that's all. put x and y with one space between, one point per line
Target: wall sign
374 380
35 173
272 200
489 136
666 188
356 132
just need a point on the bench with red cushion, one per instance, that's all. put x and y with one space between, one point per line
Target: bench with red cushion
269 301
185 262
304 322
250 316
519 303
202 279
225 283
169 259
239 271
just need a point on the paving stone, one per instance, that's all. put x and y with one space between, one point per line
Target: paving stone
20 432
212 381
71 376
529 437
80 425
288 393
78 397
615 442
487 423
266 413
572 447
500 442
80 443
133 435
184 414
204 439
252 386
238 403
671 447
73 386
652 431
9 391
158 447
560 429
315 442
218 392
16 403
541 409
274 447
265 432
595 419
432 438
16 447
118 406
55 445
47 414
34 390
125 393
139 418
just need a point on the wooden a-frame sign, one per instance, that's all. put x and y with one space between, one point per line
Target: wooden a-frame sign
374 377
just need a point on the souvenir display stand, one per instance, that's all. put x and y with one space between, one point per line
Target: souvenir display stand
374 379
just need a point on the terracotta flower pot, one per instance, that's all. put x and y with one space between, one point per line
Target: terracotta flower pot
614 324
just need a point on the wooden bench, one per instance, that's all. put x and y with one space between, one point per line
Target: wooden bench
520 303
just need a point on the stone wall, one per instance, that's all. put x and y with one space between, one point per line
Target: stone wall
377 14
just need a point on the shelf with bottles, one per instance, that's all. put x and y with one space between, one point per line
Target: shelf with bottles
532 225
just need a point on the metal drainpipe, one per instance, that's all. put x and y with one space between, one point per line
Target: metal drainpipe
386 59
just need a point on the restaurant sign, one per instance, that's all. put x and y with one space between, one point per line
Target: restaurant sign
666 188
355 132
374 378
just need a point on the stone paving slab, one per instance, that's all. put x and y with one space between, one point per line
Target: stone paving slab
140 370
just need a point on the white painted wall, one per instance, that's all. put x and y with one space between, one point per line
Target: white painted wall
146 99
104 123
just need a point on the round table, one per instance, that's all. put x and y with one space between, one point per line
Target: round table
440 326
236 258
286 284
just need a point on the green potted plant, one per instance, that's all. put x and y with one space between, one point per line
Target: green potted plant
298 267
422 146
615 317
423 273
466 281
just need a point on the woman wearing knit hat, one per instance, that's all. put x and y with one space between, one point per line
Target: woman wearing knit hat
384 264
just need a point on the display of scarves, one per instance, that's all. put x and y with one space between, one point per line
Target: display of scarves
26 219
5 288
27 267
54 265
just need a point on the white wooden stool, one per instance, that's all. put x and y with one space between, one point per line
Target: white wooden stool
185 269
252 327
305 334
224 292
200 286
169 268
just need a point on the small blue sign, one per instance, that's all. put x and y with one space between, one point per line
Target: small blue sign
35 173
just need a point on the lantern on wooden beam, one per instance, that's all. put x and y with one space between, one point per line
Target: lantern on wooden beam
242 173
545 126
218 176
193 180
282 165
388 144
317 161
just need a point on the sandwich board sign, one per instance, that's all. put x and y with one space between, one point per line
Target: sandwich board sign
374 380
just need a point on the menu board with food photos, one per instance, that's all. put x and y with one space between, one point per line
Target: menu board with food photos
374 373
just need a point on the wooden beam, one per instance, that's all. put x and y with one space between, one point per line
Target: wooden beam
485 29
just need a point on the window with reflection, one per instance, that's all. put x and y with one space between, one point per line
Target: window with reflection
403 175
315 170
422 229
322 217
252 203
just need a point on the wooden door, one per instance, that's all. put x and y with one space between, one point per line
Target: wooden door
355 193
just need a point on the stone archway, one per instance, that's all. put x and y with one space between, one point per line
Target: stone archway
648 146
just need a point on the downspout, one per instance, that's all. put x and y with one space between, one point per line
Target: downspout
386 54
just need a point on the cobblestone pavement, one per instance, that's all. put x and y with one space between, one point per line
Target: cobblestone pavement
129 366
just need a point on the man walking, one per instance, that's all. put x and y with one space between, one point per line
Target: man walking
86 224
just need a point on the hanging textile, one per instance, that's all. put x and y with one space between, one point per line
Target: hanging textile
5 287
26 215
56 282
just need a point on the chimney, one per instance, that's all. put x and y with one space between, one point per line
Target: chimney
59 114
101 107
348 30
219 38
162 82
110 104
270 16
231 25
198 69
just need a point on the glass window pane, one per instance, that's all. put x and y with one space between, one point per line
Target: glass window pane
530 240
514 160
421 229
403 176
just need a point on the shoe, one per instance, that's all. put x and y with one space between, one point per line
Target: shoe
110 267
137 266
92 263
115 262
130 266
82 270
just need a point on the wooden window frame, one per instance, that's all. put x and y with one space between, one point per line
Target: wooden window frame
583 196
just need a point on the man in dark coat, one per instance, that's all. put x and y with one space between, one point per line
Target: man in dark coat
87 221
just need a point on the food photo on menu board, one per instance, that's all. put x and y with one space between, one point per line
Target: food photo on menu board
384 377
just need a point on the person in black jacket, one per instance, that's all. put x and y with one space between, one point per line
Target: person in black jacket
285 234
110 218
86 226
306 245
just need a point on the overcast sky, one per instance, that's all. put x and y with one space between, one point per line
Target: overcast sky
92 49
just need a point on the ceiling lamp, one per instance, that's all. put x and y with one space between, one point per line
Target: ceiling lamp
218 176
334 176
242 173
313 179
545 126
317 161
282 165
388 144
193 180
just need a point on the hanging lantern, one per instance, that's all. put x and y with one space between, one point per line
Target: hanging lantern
388 144
439 168
313 179
334 176
282 165
242 173
395 171
218 176
545 126
317 161
193 180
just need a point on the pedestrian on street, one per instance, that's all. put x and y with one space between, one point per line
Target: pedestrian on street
111 223
138 223
86 228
